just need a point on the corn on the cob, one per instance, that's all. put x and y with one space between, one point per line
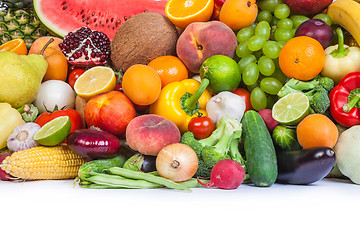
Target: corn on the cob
43 163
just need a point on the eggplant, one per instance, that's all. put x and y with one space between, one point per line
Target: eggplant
140 162
93 143
304 166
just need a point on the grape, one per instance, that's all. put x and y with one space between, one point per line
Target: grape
285 23
256 42
264 16
279 75
250 73
251 87
282 11
263 29
271 49
258 99
298 19
274 21
266 66
245 33
270 85
244 61
282 34
269 5
242 49
324 17
271 100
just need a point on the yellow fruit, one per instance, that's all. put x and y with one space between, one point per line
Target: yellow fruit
94 81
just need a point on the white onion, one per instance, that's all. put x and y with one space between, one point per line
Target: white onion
54 93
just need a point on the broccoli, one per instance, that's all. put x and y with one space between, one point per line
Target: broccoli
222 143
317 90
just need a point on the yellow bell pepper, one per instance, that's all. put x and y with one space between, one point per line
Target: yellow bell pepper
181 101
10 118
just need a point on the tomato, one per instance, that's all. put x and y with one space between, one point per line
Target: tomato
201 127
74 75
76 120
245 94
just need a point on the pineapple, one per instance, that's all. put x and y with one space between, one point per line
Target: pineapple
21 23
18 4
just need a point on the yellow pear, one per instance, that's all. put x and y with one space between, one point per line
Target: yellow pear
20 77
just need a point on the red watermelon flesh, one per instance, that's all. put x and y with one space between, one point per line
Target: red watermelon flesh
64 16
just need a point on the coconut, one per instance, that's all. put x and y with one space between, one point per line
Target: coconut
143 38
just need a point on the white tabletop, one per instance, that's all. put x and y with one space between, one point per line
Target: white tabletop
328 209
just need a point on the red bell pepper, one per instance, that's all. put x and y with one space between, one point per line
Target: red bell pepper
345 100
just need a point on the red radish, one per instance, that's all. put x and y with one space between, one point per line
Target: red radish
270 122
226 174
3 175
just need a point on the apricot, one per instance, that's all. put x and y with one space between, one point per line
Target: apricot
39 43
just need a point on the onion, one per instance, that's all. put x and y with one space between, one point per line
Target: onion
22 137
93 144
177 162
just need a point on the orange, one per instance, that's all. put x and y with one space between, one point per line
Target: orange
302 58
170 69
141 84
238 14
57 65
317 130
183 12
17 46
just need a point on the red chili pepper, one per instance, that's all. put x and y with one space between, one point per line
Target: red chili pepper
344 100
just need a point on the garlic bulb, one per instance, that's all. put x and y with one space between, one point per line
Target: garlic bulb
22 137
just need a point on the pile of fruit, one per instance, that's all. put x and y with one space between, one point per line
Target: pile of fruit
180 93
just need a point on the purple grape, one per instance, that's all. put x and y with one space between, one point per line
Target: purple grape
316 29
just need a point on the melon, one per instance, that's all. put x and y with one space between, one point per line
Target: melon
64 16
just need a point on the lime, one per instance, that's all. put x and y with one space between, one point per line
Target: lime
291 109
223 73
53 132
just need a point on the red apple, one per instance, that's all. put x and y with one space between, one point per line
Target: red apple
217 7
308 8
111 111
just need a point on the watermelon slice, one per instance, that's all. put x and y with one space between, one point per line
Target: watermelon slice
64 16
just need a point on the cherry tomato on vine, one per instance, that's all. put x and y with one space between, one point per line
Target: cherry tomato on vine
201 127
245 94
74 75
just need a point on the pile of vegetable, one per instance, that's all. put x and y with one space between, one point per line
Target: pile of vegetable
187 115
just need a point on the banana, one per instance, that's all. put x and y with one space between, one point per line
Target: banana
346 13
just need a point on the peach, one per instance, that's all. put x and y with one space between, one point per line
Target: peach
111 111
201 40
149 133
39 43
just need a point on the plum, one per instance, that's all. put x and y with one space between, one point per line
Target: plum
316 29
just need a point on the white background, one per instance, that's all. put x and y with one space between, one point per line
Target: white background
328 209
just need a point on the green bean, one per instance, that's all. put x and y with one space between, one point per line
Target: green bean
98 186
148 177
119 181
193 183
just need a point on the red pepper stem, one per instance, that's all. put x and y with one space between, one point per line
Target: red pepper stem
190 103
348 106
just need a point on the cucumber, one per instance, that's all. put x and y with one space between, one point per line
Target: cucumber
261 162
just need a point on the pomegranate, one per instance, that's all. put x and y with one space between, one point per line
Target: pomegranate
86 48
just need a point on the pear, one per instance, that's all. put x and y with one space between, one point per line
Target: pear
20 77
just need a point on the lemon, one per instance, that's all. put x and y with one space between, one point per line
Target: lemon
291 109
223 72
94 81
53 132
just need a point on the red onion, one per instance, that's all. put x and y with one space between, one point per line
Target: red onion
3 175
93 144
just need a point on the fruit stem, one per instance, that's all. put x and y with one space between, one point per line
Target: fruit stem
340 51
46 45
355 98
